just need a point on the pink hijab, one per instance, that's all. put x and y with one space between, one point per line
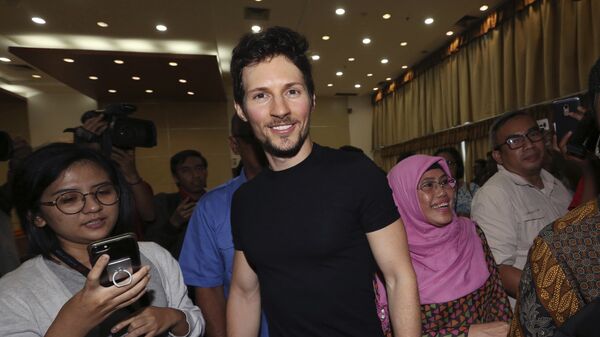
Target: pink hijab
449 261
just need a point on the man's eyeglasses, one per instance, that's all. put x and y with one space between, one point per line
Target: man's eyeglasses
73 202
518 141
432 185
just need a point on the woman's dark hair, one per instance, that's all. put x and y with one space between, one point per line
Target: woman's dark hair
274 41
435 166
41 169
460 167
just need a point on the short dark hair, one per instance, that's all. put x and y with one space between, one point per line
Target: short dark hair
460 167
41 169
255 48
500 121
179 157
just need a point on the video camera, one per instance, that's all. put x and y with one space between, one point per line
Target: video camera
6 146
122 131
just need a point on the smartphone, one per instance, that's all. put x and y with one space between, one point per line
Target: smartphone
124 261
563 123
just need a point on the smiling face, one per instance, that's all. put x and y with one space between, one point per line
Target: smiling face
437 204
94 222
278 107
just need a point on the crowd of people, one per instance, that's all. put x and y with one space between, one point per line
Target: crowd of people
306 240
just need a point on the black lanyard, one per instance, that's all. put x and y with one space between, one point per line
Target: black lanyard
71 261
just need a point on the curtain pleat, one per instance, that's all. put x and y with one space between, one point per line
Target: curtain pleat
543 52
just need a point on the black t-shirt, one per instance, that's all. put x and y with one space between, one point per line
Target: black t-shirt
302 230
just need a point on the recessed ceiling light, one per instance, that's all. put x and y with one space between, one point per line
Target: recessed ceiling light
330 84
135 78
369 75
388 78
357 85
36 76
93 78
339 73
161 28
112 91
256 28
449 33
102 24
405 67
366 40
173 64
375 89
191 93
181 80
325 37
428 21
5 59
351 59
68 60
315 57
149 91
340 11
119 61
404 43
38 20
483 8
386 16
384 61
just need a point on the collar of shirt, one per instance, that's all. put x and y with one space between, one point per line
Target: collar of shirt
547 179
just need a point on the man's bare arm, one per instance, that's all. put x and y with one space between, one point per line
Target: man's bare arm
212 303
390 249
243 305
510 277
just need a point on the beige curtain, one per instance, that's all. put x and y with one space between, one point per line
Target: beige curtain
543 52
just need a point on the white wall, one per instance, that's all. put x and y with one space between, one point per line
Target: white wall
50 113
361 123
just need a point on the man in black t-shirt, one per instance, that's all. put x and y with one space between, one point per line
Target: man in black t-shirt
310 231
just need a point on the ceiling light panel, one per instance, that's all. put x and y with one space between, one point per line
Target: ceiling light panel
38 20
340 11
428 21
161 28
102 24
5 59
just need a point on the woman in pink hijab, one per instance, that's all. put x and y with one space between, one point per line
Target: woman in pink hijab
459 286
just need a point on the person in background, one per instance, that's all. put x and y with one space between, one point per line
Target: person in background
207 255
559 293
189 170
464 191
69 197
479 172
94 124
459 285
520 199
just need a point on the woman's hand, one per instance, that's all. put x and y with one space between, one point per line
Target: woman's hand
94 303
152 321
492 329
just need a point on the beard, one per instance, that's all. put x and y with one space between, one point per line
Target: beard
285 152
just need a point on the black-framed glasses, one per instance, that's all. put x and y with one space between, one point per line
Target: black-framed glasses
432 185
73 202
518 141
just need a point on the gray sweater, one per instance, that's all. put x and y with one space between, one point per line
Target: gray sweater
32 295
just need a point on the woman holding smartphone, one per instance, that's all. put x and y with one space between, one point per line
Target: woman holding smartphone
68 197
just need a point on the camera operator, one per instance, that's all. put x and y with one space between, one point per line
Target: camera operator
90 132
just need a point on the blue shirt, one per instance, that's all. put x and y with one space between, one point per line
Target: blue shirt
206 257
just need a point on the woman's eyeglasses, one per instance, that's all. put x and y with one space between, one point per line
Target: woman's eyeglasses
73 202
432 185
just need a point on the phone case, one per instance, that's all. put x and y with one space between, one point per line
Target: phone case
563 123
124 257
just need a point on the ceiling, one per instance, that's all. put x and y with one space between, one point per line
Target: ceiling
199 38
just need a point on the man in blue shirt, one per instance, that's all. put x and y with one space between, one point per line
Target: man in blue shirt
206 258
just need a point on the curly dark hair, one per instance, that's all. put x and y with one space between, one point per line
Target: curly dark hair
274 41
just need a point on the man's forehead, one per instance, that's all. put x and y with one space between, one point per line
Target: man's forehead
190 162
276 67
517 124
